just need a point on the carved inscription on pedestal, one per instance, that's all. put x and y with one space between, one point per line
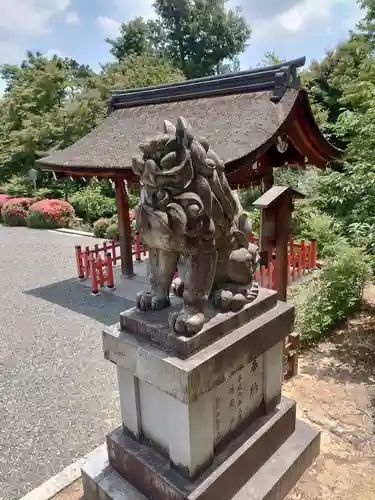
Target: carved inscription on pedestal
237 398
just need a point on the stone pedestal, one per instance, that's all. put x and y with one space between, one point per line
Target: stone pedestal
202 417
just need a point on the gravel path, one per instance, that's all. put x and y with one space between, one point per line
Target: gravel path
58 396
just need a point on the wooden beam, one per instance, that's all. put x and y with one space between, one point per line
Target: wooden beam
267 179
283 228
122 204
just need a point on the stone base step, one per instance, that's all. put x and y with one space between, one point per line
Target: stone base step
272 481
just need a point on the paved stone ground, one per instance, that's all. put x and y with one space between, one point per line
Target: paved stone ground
58 396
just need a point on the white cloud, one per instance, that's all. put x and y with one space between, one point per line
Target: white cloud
271 19
129 9
10 53
72 18
301 15
29 17
53 52
109 27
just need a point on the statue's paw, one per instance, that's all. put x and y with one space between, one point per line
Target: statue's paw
222 299
253 292
186 324
226 300
178 287
146 301
238 302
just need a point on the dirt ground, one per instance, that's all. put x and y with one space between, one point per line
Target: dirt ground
335 391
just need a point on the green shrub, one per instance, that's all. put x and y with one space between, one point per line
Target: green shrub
100 228
38 220
310 223
332 294
132 218
254 216
133 198
113 232
91 205
55 192
50 214
17 186
248 196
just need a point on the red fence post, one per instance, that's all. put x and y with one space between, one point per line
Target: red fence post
114 256
307 257
138 257
263 275
303 256
294 265
313 254
79 260
110 280
256 276
94 276
99 269
86 261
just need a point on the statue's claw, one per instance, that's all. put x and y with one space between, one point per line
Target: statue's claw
178 287
253 292
146 301
235 300
186 323
226 300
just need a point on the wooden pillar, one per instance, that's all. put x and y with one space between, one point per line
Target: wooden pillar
122 204
283 228
267 179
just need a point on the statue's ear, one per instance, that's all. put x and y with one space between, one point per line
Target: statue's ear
169 128
183 131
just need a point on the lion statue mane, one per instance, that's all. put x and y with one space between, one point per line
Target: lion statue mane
188 211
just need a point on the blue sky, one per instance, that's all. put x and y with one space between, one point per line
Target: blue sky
77 28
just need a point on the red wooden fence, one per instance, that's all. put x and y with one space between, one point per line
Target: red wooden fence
84 256
302 259
101 273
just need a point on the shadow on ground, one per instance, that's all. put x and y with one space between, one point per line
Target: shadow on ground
69 294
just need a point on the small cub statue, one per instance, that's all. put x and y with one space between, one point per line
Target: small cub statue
188 212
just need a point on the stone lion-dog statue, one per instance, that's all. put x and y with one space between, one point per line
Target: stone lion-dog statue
187 210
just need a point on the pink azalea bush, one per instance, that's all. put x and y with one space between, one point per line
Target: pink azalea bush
14 214
49 214
3 199
100 228
24 202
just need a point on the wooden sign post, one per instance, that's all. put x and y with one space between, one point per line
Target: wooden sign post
276 207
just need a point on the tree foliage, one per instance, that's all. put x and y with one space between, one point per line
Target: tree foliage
342 88
51 103
201 37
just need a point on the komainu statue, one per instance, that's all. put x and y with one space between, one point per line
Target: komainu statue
187 211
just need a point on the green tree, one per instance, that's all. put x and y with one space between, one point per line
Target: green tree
137 37
327 79
199 36
270 59
51 103
138 71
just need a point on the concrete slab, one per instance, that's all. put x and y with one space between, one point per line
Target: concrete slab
273 481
